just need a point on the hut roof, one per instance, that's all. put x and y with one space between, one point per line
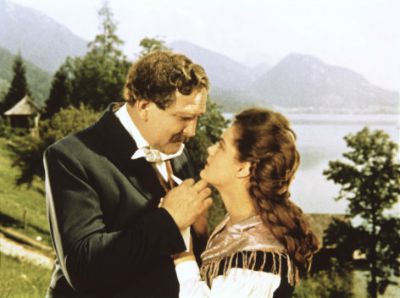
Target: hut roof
26 106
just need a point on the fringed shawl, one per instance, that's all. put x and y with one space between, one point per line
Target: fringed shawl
244 240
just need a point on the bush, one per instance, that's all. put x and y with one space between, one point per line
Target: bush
334 283
27 150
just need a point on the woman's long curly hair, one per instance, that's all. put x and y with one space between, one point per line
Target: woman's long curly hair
264 138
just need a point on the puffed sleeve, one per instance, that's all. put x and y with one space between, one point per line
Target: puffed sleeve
237 283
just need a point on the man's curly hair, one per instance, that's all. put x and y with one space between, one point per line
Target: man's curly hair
157 76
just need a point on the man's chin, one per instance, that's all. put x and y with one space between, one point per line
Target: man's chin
171 148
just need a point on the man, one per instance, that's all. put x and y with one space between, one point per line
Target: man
112 233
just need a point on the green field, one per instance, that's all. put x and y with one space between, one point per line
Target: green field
21 279
17 203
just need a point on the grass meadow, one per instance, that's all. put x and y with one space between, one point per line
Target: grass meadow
21 208
22 279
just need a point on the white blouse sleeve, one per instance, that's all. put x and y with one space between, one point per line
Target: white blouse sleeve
238 283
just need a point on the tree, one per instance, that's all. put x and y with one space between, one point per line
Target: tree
152 44
27 150
107 43
96 79
4 86
60 92
99 76
370 182
18 88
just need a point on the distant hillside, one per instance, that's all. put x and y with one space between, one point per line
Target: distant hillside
38 37
300 81
39 81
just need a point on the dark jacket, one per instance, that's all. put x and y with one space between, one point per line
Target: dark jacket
110 237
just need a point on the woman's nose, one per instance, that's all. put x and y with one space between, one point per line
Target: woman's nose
210 149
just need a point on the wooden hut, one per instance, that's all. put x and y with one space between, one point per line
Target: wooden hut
25 114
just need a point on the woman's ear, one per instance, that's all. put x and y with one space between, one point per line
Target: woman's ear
243 170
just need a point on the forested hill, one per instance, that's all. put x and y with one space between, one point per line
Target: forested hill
39 81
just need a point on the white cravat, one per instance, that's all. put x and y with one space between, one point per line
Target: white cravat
151 155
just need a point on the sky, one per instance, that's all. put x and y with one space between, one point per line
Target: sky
363 35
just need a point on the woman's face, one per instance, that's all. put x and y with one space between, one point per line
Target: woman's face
222 164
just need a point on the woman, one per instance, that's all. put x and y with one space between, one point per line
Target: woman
264 242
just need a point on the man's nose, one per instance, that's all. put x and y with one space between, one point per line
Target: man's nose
190 130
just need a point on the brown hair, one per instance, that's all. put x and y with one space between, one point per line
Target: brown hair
265 138
156 77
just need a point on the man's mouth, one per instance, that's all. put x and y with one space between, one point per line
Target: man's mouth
179 139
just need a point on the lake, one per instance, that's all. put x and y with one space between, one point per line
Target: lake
320 140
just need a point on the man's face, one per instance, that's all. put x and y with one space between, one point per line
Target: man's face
177 123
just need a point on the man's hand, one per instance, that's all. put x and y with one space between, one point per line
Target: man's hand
186 202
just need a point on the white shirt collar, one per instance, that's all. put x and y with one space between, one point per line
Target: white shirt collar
126 121
141 143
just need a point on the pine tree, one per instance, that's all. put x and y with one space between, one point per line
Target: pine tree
18 88
60 92
107 43
99 76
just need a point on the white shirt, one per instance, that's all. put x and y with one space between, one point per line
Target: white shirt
126 121
238 283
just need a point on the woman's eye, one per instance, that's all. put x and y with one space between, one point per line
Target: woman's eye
186 118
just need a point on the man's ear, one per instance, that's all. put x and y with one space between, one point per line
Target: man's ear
243 170
143 106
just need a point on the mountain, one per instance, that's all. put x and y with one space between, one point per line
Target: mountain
223 72
298 81
39 81
38 37
228 78
303 81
